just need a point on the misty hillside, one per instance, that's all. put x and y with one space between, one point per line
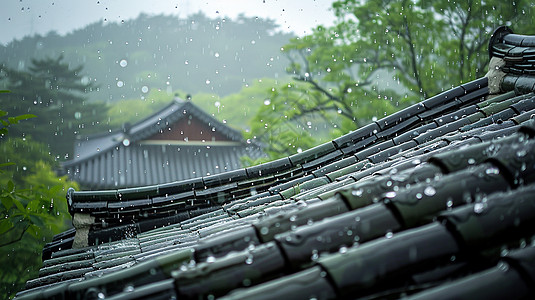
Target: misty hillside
195 55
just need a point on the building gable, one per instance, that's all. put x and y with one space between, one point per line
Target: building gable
186 129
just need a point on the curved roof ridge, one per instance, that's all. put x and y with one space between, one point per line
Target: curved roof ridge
380 130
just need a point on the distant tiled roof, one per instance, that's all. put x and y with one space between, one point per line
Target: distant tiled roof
123 159
434 201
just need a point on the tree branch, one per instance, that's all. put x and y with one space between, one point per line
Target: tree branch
16 240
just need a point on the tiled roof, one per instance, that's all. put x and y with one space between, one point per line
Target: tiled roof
431 202
123 159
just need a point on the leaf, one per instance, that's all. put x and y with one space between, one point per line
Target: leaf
37 219
10 186
7 202
33 205
25 117
19 206
34 231
56 189
6 164
3 113
5 225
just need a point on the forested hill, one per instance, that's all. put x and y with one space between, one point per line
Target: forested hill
195 54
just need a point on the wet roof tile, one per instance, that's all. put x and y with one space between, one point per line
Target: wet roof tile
435 197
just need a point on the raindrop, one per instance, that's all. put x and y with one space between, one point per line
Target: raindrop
490 171
128 288
126 142
390 195
521 153
449 204
101 295
357 193
479 207
207 81
503 266
120 83
342 250
144 89
210 259
389 235
471 161
267 102
430 191
249 260
419 196
216 54
123 63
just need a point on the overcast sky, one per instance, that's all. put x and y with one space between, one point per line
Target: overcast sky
23 17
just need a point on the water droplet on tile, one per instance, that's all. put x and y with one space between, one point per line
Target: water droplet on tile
390 195
246 282
430 191
479 207
315 255
503 266
490 171
128 288
357 193
521 153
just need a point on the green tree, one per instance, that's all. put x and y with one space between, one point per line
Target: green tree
32 205
54 91
380 56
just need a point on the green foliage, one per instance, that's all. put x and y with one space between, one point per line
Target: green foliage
54 91
430 45
380 56
32 210
5 123
163 51
236 110
32 206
